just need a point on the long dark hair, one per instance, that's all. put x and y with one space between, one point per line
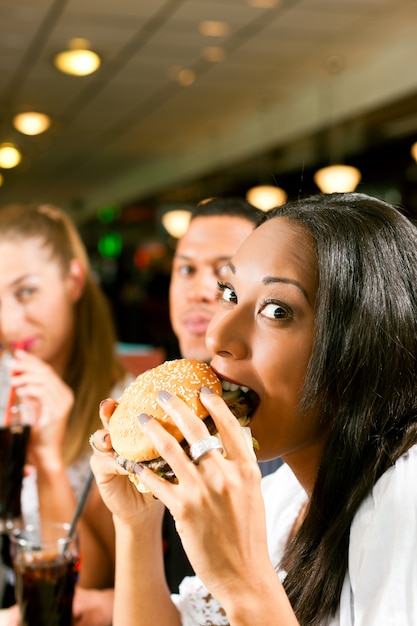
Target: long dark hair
361 380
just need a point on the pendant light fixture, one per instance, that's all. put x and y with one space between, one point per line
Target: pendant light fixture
336 177
31 122
78 59
340 178
266 197
176 222
10 156
414 151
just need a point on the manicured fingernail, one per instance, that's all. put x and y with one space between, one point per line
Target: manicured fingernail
129 466
207 391
164 396
143 418
137 468
120 460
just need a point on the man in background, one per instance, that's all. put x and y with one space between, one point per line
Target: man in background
216 230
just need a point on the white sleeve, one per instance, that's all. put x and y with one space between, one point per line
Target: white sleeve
196 605
383 550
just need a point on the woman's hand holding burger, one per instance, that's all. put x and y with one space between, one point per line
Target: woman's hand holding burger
216 503
119 494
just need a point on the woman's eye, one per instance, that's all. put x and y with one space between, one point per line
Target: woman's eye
25 292
227 294
274 311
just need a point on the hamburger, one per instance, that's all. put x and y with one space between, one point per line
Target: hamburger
183 378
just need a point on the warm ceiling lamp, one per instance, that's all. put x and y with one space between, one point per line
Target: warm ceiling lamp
186 77
214 28
337 178
9 156
414 151
31 123
266 197
176 222
78 60
264 4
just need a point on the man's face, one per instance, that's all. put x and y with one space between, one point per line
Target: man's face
199 260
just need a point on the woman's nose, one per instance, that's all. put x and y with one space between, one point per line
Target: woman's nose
9 318
227 335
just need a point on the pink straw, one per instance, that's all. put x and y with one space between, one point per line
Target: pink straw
12 393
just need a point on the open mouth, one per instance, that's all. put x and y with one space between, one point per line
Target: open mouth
241 400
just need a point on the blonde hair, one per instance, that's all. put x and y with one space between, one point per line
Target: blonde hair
93 368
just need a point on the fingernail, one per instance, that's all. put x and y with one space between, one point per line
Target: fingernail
106 440
137 468
143 418
120 460
129 466
207 391
164 396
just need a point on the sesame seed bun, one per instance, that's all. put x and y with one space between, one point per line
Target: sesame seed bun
181 377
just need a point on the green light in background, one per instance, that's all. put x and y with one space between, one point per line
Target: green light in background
110 245
108 213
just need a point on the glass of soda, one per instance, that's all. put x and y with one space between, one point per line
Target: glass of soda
14 439
46 563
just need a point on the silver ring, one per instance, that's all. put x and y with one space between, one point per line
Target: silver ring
93 445
199 448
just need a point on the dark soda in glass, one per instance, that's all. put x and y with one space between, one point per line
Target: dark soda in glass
13 447
7 577
45 588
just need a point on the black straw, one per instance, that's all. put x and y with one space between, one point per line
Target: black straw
80 505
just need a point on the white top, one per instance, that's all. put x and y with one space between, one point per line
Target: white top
380 587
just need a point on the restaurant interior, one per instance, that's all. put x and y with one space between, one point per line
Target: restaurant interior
170 102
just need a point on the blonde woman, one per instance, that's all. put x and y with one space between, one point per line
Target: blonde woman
51 305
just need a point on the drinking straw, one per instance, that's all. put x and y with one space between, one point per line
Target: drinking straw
10 403
79 508
12 392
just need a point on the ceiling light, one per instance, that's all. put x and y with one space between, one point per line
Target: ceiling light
9 156
78 60
264 4
211 28
414 151
186 77
337 178
176 222
266 197
31 123
214 54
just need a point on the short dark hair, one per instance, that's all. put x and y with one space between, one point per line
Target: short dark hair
232 206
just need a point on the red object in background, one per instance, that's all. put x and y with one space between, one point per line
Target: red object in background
12 393
138 358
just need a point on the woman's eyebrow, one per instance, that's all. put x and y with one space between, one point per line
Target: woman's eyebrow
272 279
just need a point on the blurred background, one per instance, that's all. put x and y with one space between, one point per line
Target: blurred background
174 101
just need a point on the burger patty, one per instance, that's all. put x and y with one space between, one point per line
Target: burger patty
241 404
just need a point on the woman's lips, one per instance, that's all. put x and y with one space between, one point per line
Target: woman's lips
23 344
